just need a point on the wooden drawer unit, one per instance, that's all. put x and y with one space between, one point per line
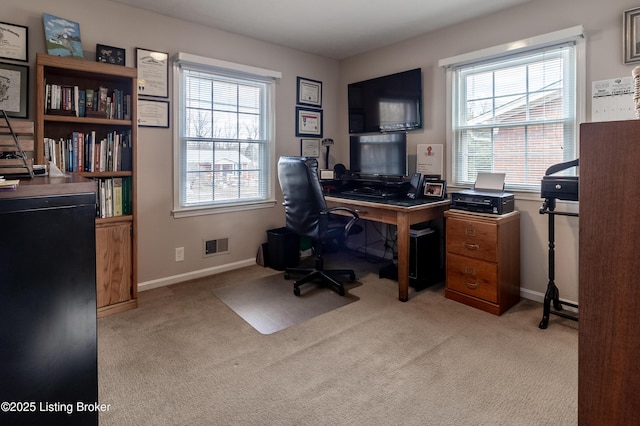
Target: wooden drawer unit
483 259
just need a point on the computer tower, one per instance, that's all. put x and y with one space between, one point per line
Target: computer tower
425 266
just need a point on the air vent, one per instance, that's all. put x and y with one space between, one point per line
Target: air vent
211 247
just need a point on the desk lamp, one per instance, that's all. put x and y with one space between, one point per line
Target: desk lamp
327 143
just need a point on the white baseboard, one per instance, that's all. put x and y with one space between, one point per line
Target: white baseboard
161 282
536 296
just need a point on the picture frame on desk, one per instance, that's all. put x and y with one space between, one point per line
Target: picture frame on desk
15 42
153 73
435 189
14 84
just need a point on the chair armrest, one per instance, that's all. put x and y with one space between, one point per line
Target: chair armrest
355 217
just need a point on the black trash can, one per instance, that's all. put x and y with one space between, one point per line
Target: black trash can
284 248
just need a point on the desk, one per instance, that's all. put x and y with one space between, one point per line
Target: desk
403 214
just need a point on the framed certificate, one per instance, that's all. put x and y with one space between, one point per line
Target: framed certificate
14 42
308 122
153 73
153 113
14 87
310 148
309 92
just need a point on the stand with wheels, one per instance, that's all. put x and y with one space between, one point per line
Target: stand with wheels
552 294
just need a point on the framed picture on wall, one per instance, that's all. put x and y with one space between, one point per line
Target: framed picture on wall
14 42
309 92
631 37
308 122
153 73
153 113
14 89
110 55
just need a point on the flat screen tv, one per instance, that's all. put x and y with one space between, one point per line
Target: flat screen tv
378 155
386 104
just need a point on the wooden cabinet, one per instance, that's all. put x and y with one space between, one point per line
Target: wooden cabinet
483 259
609 334
116 259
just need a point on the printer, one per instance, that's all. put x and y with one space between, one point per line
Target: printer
486 196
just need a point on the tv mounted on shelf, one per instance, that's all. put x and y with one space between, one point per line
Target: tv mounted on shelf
378 156
385 104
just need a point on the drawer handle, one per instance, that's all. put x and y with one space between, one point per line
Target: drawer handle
470 232
471 246
469 270
470 285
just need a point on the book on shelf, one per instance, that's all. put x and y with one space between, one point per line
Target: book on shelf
101 102
85 152
114 197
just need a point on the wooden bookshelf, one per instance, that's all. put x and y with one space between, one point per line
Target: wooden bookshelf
116 236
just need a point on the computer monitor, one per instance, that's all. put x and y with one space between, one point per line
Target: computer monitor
378 155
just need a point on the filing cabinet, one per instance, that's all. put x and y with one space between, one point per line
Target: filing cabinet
483 259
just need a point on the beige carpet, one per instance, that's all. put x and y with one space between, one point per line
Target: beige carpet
184 358
269 305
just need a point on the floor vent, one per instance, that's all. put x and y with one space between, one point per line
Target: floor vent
218 246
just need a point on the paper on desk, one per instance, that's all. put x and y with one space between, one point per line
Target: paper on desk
54 171
489 181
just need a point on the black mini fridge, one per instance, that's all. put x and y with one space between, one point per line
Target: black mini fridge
48 327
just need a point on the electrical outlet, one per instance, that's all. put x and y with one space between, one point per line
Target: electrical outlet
179 254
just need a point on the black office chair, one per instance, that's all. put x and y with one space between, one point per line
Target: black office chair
307 215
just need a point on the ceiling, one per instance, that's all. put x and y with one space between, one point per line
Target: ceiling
332 28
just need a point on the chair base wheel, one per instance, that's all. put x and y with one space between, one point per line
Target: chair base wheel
296 291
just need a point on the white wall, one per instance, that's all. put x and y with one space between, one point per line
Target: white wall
603 25
159 233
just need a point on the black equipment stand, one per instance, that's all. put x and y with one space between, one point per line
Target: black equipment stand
552 294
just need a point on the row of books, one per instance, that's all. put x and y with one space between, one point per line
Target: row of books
114 197
101 103
85 152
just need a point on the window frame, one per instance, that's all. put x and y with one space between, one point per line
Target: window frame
223 68
557 38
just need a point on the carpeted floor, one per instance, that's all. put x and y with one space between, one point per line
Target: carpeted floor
184 358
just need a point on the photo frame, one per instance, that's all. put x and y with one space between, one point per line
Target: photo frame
153 73
308 122
153 113
310 148
435 189
62 36
14 89
631 36
309 92
14 43
110 55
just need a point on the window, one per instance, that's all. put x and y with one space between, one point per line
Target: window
515 113
225 136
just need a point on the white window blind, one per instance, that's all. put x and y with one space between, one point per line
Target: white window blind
225 136
514 113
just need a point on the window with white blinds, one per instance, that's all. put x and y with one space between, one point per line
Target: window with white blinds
225 136
515 113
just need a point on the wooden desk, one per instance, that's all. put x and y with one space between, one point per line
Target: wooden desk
403 214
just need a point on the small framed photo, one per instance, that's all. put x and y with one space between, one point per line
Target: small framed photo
308 122
435 189
14 42
110 55
14 90
631 36
310 148
153 73
309 92
153 113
